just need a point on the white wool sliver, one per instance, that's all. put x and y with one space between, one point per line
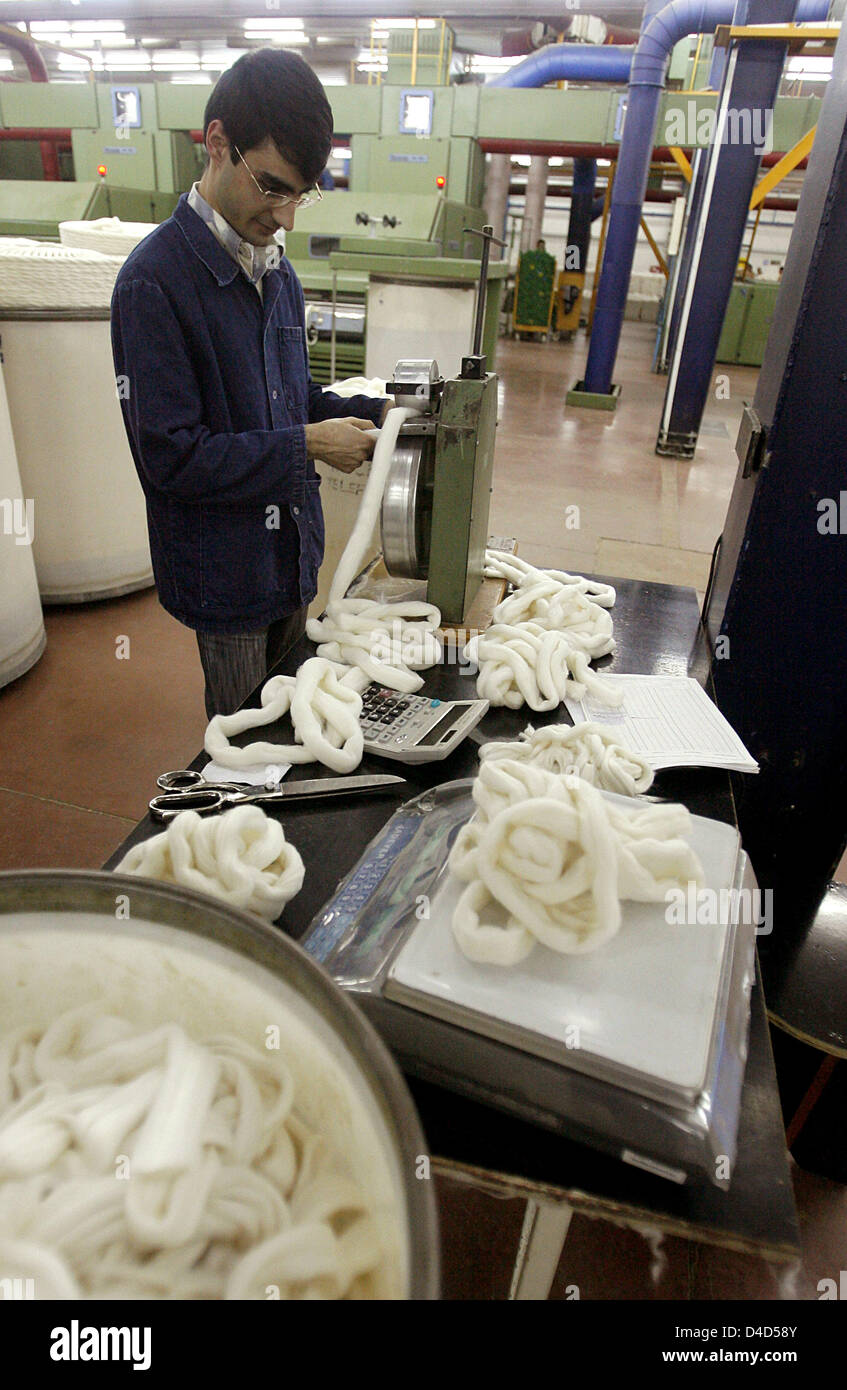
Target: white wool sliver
206 1185
240 856
324 700
582 750
547 858
538 648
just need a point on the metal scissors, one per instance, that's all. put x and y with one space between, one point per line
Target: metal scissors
187 791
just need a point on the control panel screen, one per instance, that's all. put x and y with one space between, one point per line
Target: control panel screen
126 107
416 112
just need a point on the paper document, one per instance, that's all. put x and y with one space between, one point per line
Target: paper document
670 721
258 775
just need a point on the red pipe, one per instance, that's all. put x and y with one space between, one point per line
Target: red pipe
37 69
59 134
653 195
661 153
572 150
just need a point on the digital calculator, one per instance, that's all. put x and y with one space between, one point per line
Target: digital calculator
415 728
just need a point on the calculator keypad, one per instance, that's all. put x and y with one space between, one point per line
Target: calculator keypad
415 728
388 717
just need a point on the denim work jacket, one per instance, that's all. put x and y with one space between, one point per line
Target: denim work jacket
215 390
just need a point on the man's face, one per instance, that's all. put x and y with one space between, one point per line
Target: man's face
255 217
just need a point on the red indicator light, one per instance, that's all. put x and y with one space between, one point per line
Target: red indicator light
440 182
101 169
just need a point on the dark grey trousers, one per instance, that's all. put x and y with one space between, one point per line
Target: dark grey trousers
235 663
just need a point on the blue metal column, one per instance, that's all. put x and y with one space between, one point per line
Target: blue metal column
582 209
777 613
695 202
658 37
750 88
660 32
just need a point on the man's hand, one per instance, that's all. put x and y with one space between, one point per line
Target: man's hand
344 443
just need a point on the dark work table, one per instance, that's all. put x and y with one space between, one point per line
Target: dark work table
655 628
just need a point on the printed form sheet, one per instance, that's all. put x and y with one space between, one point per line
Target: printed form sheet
670 721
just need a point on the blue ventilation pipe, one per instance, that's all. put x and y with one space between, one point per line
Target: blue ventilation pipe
563 62
676 21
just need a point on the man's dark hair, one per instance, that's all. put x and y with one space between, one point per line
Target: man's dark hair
271 92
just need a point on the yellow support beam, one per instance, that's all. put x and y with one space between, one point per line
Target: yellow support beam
681 160
785 166
415 55
785 33
696 61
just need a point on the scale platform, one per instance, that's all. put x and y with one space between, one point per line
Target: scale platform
637 1048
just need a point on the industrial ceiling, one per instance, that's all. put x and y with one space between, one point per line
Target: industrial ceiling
188 40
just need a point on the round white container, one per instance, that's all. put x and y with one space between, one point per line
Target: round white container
73 455
108 235
22 636
186 958
74 459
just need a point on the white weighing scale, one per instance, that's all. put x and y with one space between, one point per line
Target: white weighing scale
637 1048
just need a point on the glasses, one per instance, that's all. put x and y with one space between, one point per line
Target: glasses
281 200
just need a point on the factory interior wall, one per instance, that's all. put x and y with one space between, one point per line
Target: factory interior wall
769 249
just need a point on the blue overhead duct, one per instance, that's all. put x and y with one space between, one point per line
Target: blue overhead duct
676 21
569 62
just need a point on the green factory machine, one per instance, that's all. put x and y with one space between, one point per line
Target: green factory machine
416 179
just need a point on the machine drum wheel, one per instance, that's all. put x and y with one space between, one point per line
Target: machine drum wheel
406 514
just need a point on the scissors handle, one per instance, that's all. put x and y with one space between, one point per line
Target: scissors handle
205 802
184 781
209 799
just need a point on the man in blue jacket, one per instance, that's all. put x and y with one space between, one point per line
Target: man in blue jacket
224 421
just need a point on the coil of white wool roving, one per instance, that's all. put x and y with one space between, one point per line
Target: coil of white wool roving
521 573
548 858
538 649
527 663
325 701
583 750
389 641
225 1189
241 856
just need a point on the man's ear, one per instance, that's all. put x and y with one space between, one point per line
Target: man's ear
217 143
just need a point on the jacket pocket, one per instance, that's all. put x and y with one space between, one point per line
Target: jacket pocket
295 384
246 565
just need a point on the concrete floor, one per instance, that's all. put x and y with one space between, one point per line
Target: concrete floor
582 490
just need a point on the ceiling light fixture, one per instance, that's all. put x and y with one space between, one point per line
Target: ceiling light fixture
263 25
282 38
84 26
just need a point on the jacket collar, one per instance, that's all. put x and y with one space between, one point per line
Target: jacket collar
206 246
